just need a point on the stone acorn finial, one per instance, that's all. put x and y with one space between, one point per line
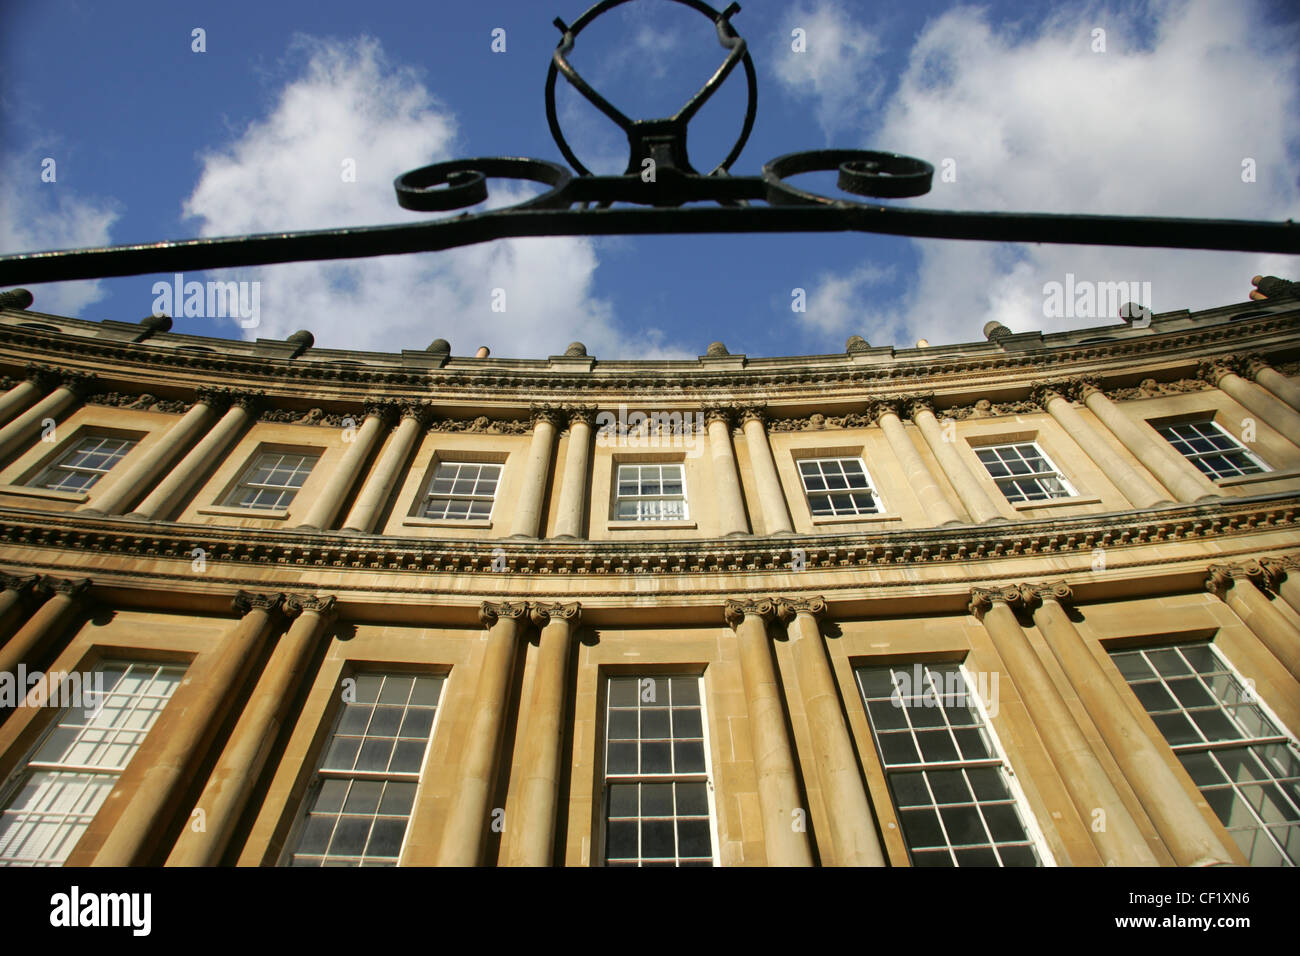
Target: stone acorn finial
995 331
439 347
16 299
576 350
716 350
856 343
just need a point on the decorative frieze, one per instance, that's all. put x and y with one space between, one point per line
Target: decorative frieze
481 425
139 402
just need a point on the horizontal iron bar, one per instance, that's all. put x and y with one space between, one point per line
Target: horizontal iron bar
194 255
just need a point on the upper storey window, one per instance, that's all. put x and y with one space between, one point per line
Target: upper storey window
651 493
838 486
84 464
461 491
272 482
1211 449
1024 472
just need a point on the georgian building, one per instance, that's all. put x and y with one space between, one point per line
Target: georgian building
1032 600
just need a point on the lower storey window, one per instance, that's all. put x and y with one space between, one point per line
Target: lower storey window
1243 762
949 784
658 792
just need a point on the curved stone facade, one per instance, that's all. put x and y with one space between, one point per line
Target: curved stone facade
644 611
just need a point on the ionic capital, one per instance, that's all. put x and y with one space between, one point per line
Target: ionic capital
983 599
736 611
324 605
246 601
1219 579
72 587
542 614
489 612
22 583
1032 595
787 609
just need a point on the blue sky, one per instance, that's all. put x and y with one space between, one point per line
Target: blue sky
151 139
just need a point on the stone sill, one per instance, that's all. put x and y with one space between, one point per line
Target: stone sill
1055 503
27 491
646 525
859 519
1251 479
445 523
229 512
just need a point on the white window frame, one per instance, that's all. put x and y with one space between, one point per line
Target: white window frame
1196 457
599 847
877 500
74 449
232 500
430 495
1002 482
619 498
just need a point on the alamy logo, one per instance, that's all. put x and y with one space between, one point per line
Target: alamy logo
211 300
1097 300
947 690
651 430
55 689
134 910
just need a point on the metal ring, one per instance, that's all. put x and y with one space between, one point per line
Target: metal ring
862 172
466 182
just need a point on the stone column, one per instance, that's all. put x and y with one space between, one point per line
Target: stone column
120 492
171 491
196 711
374 494
528 509
48 623
18 594
1270 378
852 833
1257 400
919 476
469 816
573 486
325 509
776 514
1119 841
1173 470
1190 838
1233 585
19 432
530 834
972 495
231 782
778 784
1283 577
730 502
25 392
1053 398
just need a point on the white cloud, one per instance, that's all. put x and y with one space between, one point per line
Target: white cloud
36 215
1157 125
833 306
834 67
285 172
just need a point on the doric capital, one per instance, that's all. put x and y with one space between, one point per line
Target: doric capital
246 601
1034 594
753 413
719 413
22 583
552 414
735 611
489 612
324 605
788 608
983 599
542 614
1216 369
580 414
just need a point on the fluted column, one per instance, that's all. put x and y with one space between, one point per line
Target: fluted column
972 495
468 818
573 485
922 481
528 509
325 509
1118 839
231 782
374 493
1256 399
1270 378
1232 583
852 833
1190 838
24 393
730 501
122 490
778 784
171 491
530 834
776 514
47 624
1170 468
71 387
1053 398
1283 576
197 710
19 591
